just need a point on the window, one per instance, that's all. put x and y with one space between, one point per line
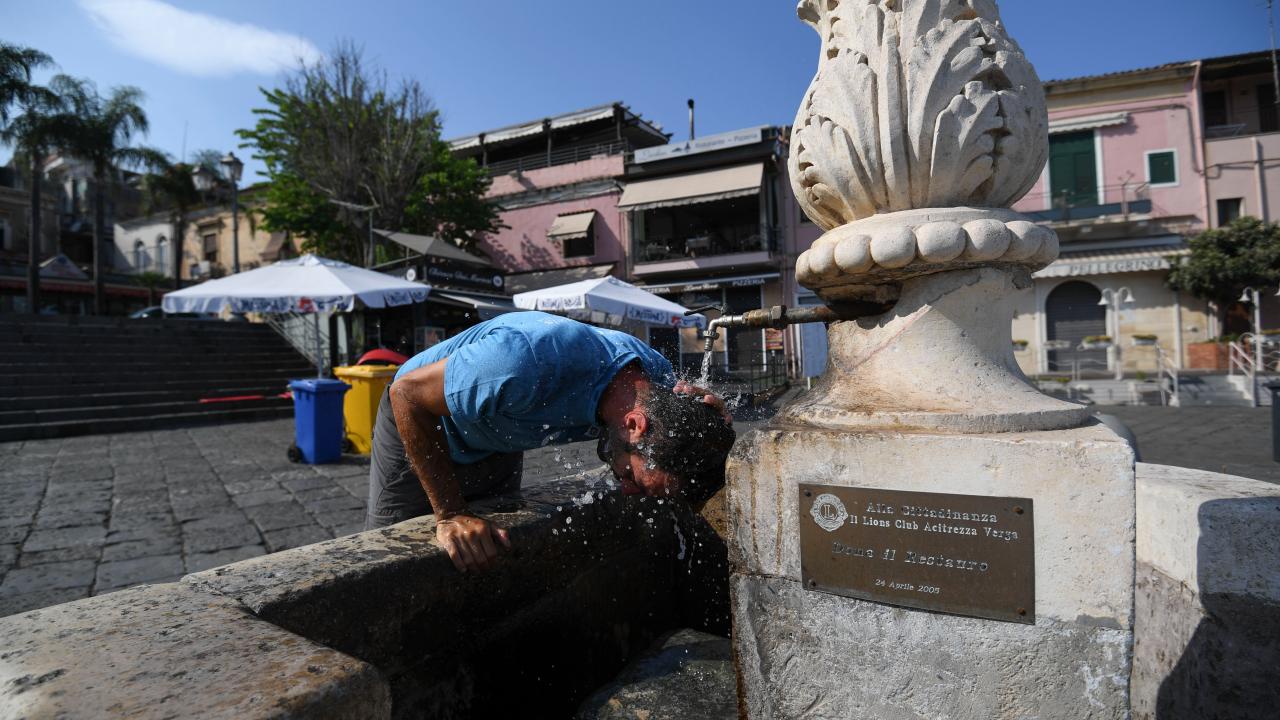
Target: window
1162 167
1215 108
162 246
1228 210
5 234
581 246
139 255
211 247
1073 169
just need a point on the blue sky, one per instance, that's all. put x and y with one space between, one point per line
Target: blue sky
493 63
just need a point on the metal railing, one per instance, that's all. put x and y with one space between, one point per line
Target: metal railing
1073 366
748 378
306 334
1242 360
564 156
1066 206
1167 369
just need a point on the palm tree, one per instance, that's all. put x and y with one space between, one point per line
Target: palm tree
172 186
104 131
150 280
43 122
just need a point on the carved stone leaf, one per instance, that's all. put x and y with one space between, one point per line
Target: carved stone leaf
916 103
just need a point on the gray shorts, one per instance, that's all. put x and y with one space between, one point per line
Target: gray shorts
396 494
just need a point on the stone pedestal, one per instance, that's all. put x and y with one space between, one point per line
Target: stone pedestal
805 653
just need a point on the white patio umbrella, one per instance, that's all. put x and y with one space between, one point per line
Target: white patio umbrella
610 296
308 284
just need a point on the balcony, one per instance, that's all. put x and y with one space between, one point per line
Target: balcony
564 156
1068 207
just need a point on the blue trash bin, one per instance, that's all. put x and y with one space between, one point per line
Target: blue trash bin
317 418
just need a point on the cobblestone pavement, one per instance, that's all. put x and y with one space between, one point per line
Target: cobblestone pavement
1232 440
87 515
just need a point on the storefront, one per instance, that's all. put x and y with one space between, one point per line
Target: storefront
738 351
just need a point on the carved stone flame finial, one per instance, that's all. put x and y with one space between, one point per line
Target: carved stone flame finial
917 106
924 123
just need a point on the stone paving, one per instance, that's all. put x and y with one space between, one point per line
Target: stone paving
87 515
1231 440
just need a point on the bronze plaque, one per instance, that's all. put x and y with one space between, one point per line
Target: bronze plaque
960 554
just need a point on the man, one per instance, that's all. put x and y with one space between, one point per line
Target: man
457 417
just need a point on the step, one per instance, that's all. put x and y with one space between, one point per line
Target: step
10 418
52 402
91 378
11 362
142 385
159 422
143 366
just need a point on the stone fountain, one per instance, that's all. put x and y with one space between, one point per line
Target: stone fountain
924 442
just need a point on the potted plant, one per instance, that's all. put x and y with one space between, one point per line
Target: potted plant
1144 340
1020 345
1096 342
1212 354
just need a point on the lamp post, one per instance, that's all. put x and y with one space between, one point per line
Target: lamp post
1254 297
234 167
1114 299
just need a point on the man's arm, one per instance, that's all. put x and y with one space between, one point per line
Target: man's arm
418 403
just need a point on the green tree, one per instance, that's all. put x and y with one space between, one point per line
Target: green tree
103 135
42 122
1224 261
340 131
170 187
150 280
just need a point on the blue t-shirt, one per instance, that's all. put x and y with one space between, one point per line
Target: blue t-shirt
527 379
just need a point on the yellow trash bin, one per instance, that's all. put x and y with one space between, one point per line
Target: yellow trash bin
360 406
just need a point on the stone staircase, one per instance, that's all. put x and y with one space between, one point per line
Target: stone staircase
62 376
1195 389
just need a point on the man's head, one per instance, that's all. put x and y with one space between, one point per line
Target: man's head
669 445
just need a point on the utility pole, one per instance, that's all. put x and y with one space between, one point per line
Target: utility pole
1275 66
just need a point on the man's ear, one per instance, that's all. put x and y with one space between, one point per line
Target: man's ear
636 423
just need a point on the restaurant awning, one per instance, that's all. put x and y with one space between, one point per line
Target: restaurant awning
539 279
1108 262
572 226
434 247
700 187
486 307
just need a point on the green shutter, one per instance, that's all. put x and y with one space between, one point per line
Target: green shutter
1073 169
1160 168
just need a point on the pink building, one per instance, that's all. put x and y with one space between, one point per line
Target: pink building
1124 187
557 182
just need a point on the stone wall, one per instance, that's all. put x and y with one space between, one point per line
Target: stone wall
1207 625
380 624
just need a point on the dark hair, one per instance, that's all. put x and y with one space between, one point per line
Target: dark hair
688 439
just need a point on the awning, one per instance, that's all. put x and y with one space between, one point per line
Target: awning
274 246
1126 260
572 226
700 187
1087 122
539 279
487 307
433 246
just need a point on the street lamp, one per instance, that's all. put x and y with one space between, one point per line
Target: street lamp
1254 297
204 179
1114 299
234 167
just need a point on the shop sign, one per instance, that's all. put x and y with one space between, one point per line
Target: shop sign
446 273
1106 267
700 145
704 286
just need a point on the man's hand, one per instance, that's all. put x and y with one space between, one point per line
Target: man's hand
686 388
470 541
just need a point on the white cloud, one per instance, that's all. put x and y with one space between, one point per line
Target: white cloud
196 43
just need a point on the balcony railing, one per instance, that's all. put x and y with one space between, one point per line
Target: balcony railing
704 245
565 156
1067 206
